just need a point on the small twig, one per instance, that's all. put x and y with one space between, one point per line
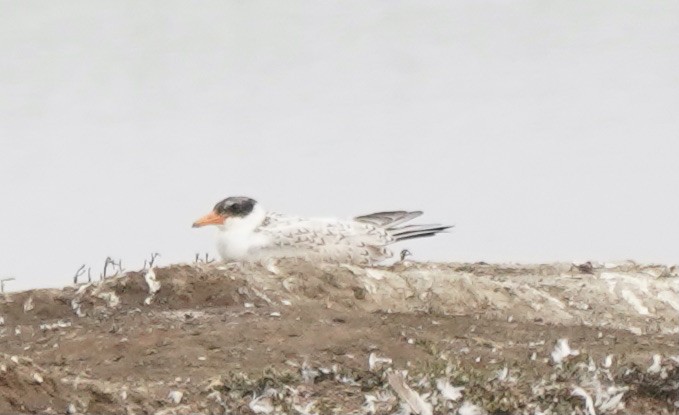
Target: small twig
148 263
2 283
78 273
198 259
108 261
405 253
89 275
153 259
121 270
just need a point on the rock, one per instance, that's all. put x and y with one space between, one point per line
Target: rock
175 397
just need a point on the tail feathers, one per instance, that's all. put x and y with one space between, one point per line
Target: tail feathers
417 231
388 220
422 235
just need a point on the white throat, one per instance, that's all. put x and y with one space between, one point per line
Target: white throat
237 237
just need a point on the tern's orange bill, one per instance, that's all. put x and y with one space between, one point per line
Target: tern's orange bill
212 218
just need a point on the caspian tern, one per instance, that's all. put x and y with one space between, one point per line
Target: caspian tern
248 233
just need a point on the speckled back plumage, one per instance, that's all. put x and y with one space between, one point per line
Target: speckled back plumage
361 241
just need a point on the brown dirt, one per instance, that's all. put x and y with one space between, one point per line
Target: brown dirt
223 336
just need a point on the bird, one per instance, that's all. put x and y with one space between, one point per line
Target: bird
249 233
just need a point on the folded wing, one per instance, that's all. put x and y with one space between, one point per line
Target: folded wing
363 240
390 220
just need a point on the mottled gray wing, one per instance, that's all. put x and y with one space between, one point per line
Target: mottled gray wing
388 220
325 240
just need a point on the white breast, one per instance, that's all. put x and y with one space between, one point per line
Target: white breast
237 238
236 246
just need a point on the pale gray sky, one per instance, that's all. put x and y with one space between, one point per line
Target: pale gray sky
545 130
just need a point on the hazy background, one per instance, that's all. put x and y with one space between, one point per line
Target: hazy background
545 130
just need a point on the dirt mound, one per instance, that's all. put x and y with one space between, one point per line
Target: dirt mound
315 338
27 387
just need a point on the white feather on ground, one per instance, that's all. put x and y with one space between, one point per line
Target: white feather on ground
589 403
469 408
376 362
562 351
413 399
448 391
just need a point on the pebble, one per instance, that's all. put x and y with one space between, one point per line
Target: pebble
175 397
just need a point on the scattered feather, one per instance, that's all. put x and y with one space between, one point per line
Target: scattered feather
589 403
271 267
309 374
613 404
501 374
305 409
608 361
655 366
261 405
151 281
375 362
469 408
562 351
635 302
416 403
37 378
28 305
112 300
53 326
449 392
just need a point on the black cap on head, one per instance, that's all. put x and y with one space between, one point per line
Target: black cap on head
238 206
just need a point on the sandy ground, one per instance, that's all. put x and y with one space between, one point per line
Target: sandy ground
308 339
